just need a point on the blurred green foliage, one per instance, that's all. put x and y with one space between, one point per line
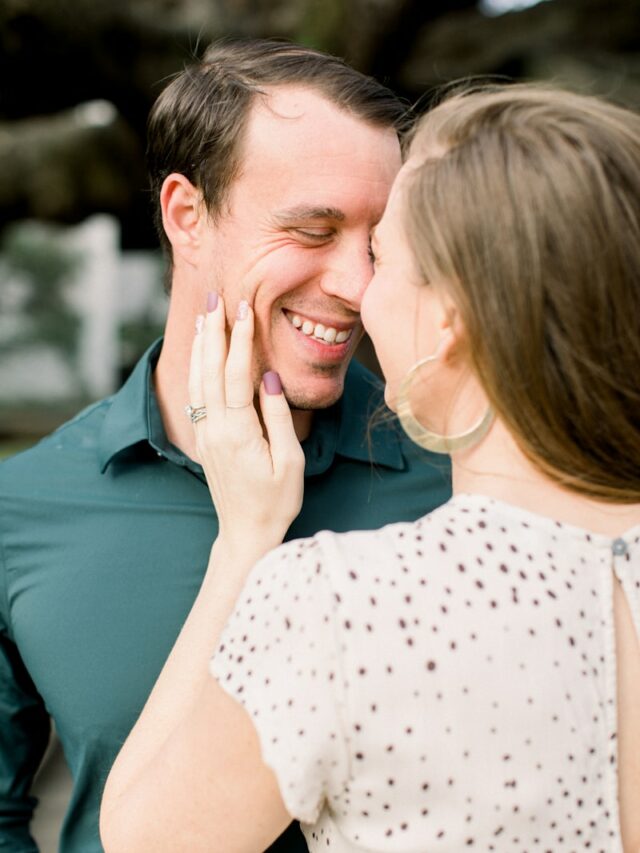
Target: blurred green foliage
35 257
136 335
323 24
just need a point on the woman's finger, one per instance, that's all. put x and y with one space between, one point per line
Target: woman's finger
213 355
196 395
238 378
286 451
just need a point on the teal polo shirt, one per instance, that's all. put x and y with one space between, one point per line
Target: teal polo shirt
105 532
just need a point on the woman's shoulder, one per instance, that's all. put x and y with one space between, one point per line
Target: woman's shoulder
384 546
424 533
463 526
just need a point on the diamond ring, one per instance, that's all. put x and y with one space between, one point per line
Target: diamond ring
196 413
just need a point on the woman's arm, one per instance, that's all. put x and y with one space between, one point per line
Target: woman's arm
192 762
191 776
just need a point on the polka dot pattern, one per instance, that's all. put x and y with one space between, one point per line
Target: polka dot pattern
440 685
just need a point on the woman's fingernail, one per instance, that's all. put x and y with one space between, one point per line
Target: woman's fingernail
243 310
272 384
199 323
212 301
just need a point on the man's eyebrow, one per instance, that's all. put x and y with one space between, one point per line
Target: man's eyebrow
305 212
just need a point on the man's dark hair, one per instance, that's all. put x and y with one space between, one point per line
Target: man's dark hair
196 126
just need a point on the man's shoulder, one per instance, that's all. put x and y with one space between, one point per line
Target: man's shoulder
76 438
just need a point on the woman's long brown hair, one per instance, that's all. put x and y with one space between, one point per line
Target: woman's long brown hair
525 202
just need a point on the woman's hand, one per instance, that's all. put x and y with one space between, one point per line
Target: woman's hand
255 474
189 725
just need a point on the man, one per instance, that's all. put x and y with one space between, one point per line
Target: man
270 164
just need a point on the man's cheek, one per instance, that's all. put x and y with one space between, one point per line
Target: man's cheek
264 336
292 267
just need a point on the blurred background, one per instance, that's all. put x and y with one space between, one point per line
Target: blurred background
81 292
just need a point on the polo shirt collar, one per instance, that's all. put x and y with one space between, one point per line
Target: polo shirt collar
346 429
133 416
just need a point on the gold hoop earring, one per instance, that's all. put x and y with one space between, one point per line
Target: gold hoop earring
424 437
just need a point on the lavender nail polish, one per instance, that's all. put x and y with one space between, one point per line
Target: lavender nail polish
272 384
212 301
243 310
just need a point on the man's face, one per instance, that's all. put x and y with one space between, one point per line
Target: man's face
293 239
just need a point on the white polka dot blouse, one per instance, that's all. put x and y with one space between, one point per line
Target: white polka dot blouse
439 685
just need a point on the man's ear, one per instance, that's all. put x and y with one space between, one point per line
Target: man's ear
182 212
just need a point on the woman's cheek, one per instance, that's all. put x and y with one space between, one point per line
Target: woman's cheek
368 310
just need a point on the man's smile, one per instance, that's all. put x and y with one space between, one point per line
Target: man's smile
327 332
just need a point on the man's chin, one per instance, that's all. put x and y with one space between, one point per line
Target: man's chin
305 402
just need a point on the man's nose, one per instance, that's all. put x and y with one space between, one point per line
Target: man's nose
348 275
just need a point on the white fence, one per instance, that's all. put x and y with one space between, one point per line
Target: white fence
104 291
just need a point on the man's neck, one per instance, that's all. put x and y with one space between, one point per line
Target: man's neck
171 382
302 421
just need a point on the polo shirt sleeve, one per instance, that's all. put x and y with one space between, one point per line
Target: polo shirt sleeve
279 657
24 733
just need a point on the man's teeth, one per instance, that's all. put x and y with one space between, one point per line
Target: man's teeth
321 333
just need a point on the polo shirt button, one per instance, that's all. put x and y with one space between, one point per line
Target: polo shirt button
619 547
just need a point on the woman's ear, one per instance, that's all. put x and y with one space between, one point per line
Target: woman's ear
182 210
452 337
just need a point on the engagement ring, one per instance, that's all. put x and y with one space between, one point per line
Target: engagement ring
196 413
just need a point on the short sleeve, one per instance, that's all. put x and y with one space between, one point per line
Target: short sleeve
278 656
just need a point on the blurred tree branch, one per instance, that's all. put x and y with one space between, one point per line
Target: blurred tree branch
64 167
56 54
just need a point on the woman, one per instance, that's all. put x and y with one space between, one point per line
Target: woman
471 679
